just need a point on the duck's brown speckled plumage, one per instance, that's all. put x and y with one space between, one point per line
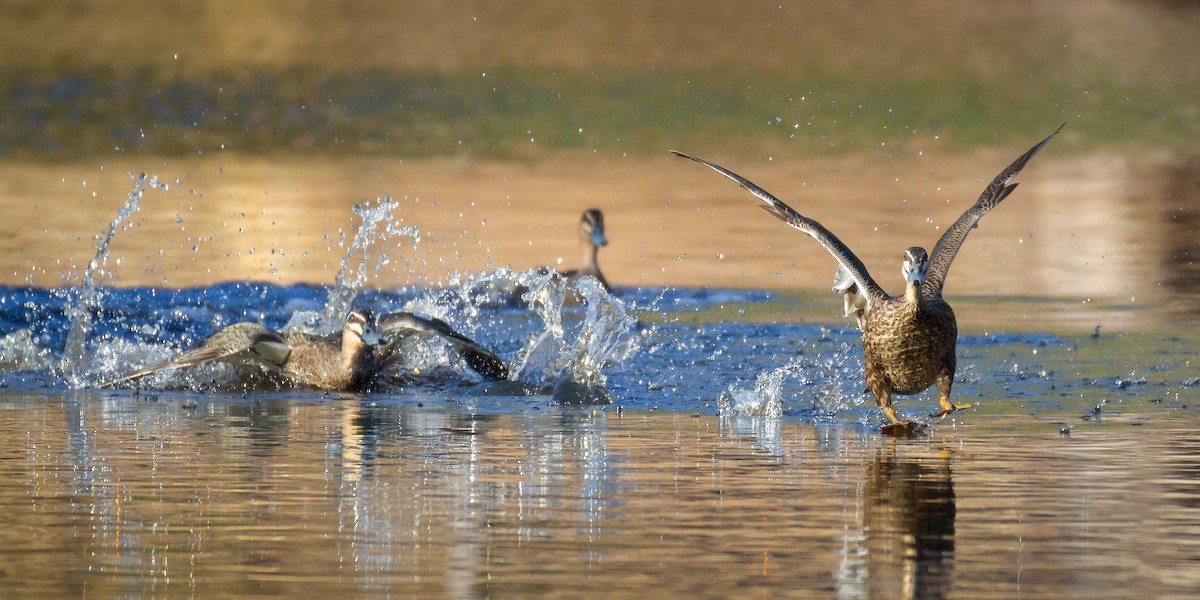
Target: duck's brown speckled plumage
908 341
332 362
909 346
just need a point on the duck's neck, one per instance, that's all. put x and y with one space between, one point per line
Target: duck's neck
913 295
352 347
588 264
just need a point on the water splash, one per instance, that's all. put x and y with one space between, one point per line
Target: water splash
574 368
542 359
839 382
826 376
353 275
89 295
19 352
502 288
603 339
764 398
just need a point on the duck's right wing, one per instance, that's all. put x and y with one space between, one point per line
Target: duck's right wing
252 339
395 326
852 279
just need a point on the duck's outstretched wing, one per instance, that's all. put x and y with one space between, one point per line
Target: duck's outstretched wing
852 279
396 326
996 191
253 340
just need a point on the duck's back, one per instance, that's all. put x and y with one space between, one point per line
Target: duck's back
316 361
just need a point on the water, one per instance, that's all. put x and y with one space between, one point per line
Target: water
1119 250
702 434
733 456
352 277
89 294
304 495
691 441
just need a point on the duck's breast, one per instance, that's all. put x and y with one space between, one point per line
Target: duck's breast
911 347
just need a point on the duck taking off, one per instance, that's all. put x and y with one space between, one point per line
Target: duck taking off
908 340
345 361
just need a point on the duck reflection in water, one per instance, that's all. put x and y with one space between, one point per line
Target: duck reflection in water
909 512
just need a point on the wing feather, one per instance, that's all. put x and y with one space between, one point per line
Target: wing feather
252 339
396 326
947 247
853 268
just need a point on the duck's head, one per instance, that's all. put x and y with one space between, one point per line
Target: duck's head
916 265
359 329
591 227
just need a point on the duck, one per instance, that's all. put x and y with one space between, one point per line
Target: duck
349 360
591 240
515 291
909 341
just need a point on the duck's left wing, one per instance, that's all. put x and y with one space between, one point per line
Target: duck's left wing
395 326
996 191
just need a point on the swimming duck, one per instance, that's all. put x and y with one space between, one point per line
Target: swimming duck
909 340
591 239
345 361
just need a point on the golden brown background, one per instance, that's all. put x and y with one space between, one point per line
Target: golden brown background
1106 212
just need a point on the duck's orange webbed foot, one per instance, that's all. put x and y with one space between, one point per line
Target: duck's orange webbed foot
898 427
946 410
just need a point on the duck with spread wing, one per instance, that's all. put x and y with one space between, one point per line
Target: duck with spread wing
908 340
349 360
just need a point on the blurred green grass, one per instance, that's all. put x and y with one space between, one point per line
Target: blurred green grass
512 113
503 79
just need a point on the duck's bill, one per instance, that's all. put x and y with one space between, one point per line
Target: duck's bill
372 337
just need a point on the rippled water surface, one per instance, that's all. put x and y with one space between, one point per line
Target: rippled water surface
320 495
170 169
698 441
1075 475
